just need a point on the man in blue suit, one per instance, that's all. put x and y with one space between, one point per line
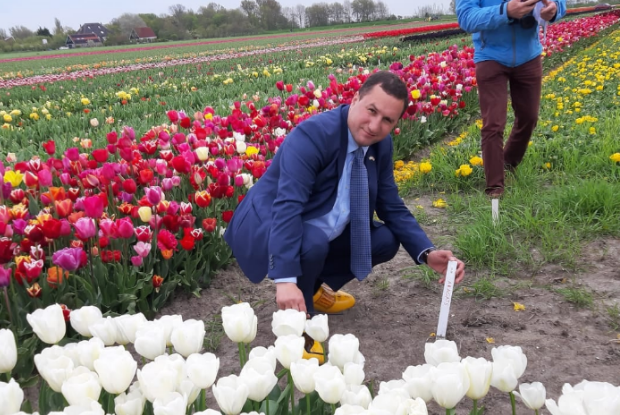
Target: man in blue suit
301 225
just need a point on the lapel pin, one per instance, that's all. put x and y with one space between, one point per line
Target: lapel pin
371 158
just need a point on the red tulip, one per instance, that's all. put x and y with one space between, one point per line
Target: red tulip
209 224
49 147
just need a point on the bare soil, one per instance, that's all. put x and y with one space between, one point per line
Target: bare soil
395 315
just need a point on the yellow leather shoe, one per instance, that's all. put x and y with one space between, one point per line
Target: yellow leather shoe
327 301
313 349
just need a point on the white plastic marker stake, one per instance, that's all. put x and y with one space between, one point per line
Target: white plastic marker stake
446 299
495 210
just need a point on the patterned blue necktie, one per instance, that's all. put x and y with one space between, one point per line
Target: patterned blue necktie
361 256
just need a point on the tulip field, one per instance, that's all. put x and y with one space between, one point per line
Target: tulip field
121 174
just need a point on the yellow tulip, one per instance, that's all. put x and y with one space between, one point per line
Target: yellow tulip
13 177
145 213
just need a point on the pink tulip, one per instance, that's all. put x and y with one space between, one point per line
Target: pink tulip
124 228
68 259
5 276
142 249
45 177
107 228
93 206
85 228
136 261
154 195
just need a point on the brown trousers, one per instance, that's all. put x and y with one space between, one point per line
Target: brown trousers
525 87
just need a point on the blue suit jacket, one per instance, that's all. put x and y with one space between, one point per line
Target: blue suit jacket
265 233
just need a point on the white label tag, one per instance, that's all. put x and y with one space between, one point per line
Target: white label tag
495 210
446 299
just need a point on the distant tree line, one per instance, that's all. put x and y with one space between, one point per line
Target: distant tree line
213 20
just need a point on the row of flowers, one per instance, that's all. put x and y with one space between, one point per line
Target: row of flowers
100 375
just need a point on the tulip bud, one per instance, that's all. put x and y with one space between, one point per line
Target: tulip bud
202 369
131 403
150 340
11 396
354 373
48 324
127 325
88 351
441 351
289 349
289 321
81 387
329 383
8 351
230 393
240 323
173 403
318 328
509 363
116 369
145 213
533 395
343 349
450 384
303 372
346 409
157 379
479 372
358 395
83 317
263 352
53 369
169 322
259 377
188 337
418 382
105 329
202 153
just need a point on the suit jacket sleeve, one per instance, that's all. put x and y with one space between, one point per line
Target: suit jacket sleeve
392 210
301 158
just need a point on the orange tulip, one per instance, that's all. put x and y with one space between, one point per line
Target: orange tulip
166 253
57 193
73 217
55 276
63 207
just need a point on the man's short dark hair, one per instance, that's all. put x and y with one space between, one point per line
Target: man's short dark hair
391 85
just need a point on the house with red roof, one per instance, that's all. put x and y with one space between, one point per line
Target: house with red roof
142 34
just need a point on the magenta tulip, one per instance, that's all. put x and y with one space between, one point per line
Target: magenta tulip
154 195
68 259
85 228
124 228
93 206
5 276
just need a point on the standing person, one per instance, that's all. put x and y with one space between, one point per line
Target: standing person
507 52
308 222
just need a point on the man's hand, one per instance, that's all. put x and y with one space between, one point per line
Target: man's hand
288 295
438 261
549 10
516 9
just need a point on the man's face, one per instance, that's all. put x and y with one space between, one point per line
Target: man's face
372 117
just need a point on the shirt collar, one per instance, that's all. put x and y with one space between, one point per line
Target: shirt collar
352 145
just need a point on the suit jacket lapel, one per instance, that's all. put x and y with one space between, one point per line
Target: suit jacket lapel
344 139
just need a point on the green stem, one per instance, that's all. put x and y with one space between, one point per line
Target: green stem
333 408
267 405
241 354
475 407
450 411
535 411
8 306
324 352
513 403
292 385
308 403
110 408
8 377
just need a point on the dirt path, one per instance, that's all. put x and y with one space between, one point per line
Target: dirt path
396 312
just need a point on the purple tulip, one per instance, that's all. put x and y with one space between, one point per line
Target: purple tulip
154 195
5 277
6 190
19 225
68 258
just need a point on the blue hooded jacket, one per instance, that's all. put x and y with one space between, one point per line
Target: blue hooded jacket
497 37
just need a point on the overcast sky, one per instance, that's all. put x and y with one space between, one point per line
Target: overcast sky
35 13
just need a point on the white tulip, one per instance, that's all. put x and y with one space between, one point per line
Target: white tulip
150 340
418 381
127 326
8 351
177 364
169 323
240 323
11 396
252 413
479 372
347 409
386 403
318 328
514 354
88 351
131 403
202 369
71 351
354 373
189 390
504 377
358 395
329 383
202 153
450 384
396 385
48 324
570 403
533 394
303 372
289 321
116 369
157 378
289 349
600 398
173 403
105 329
54 369
188 337
343 349
81 387
269 354
90 408
258 375
241 147
230 392
410 406
82 318
441 351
